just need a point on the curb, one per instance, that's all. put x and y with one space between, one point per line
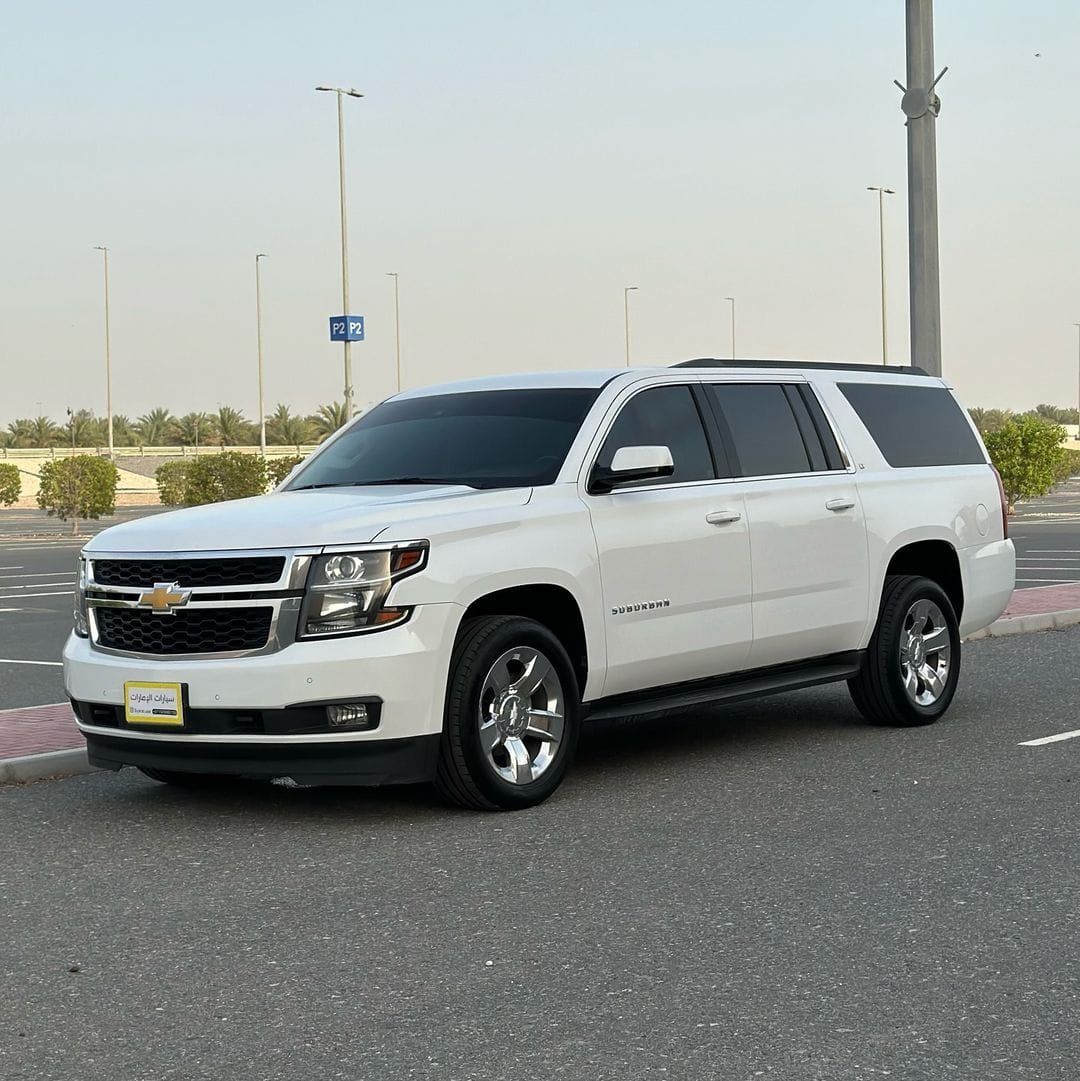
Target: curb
41 767
1039 621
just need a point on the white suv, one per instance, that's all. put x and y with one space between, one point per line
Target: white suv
460 578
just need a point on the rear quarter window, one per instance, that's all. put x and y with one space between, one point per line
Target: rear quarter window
915 426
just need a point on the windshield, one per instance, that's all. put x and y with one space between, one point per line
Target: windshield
484 439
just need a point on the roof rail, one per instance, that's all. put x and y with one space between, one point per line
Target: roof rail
892 369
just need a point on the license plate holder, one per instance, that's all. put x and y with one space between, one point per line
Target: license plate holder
154 705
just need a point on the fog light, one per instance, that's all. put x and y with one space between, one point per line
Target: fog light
338 716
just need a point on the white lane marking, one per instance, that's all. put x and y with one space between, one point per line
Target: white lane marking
1023 568
1050 739
27 596
38 574
1053 551
1043 581
45 664
59 580
12 568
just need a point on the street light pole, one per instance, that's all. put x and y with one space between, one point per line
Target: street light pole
342 92
921 106
397 325
627 290
731 301
882 192
258 338
1077 325
108 354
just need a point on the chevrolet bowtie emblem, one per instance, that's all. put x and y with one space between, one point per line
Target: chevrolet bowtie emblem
164 598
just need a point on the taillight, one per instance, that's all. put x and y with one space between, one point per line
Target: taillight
1004 504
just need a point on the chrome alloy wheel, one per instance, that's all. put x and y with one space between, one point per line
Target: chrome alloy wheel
925 653
521 715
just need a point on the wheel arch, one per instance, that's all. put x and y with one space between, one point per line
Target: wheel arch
553 606
936 559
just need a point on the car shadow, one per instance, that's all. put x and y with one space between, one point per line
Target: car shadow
667 742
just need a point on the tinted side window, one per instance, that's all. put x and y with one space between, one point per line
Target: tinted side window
663 417
766 437
915 426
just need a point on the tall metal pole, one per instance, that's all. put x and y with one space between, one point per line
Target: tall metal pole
397 325
1077 325
882 192
108 357
627 290
921 105
258 338
341 92
731 301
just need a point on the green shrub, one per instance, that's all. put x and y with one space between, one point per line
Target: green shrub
1069 466
172 480
1028 454
214 478
10 484
83 486
277 469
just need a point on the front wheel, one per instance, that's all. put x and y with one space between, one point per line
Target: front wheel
912 664
512 715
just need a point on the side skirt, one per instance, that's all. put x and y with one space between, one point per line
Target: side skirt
733 688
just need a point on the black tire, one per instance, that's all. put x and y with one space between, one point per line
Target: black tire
464 775
190 780
879 690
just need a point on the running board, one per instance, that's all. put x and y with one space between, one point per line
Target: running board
753 684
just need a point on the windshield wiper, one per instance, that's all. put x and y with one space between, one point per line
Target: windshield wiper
382 481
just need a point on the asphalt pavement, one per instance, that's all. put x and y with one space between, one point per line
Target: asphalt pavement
766 890
1046 533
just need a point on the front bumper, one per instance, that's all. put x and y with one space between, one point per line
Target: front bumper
397 761
404 668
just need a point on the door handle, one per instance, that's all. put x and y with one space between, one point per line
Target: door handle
722 517
839 504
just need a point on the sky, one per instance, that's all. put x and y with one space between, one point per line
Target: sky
518 165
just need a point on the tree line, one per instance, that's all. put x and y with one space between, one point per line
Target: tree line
993 420
227 427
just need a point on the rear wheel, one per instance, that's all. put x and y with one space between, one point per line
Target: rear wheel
912 664
511 721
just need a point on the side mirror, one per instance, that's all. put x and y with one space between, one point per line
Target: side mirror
632 464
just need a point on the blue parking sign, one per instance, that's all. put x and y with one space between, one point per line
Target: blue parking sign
346 328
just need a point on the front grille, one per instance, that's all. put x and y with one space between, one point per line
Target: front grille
203 630
190 573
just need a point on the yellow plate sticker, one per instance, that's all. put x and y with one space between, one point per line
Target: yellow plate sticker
159 704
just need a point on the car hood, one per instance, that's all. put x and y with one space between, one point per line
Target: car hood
298 519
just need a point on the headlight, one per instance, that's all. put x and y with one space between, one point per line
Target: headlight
82 624
347 591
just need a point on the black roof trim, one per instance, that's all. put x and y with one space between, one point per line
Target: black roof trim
892 369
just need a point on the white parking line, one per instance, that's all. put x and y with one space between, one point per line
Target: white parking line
44 664
27 596
1050 739
39 574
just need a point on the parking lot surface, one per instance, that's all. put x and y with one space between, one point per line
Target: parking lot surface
768 890
1046 533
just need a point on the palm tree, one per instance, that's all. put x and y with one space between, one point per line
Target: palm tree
194 430
283 427
85 430
18 432
124 434
153 427
327 419
232 429
42 432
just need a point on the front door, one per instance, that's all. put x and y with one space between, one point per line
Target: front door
674 553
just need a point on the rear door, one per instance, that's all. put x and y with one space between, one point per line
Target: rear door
807 533
674 553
